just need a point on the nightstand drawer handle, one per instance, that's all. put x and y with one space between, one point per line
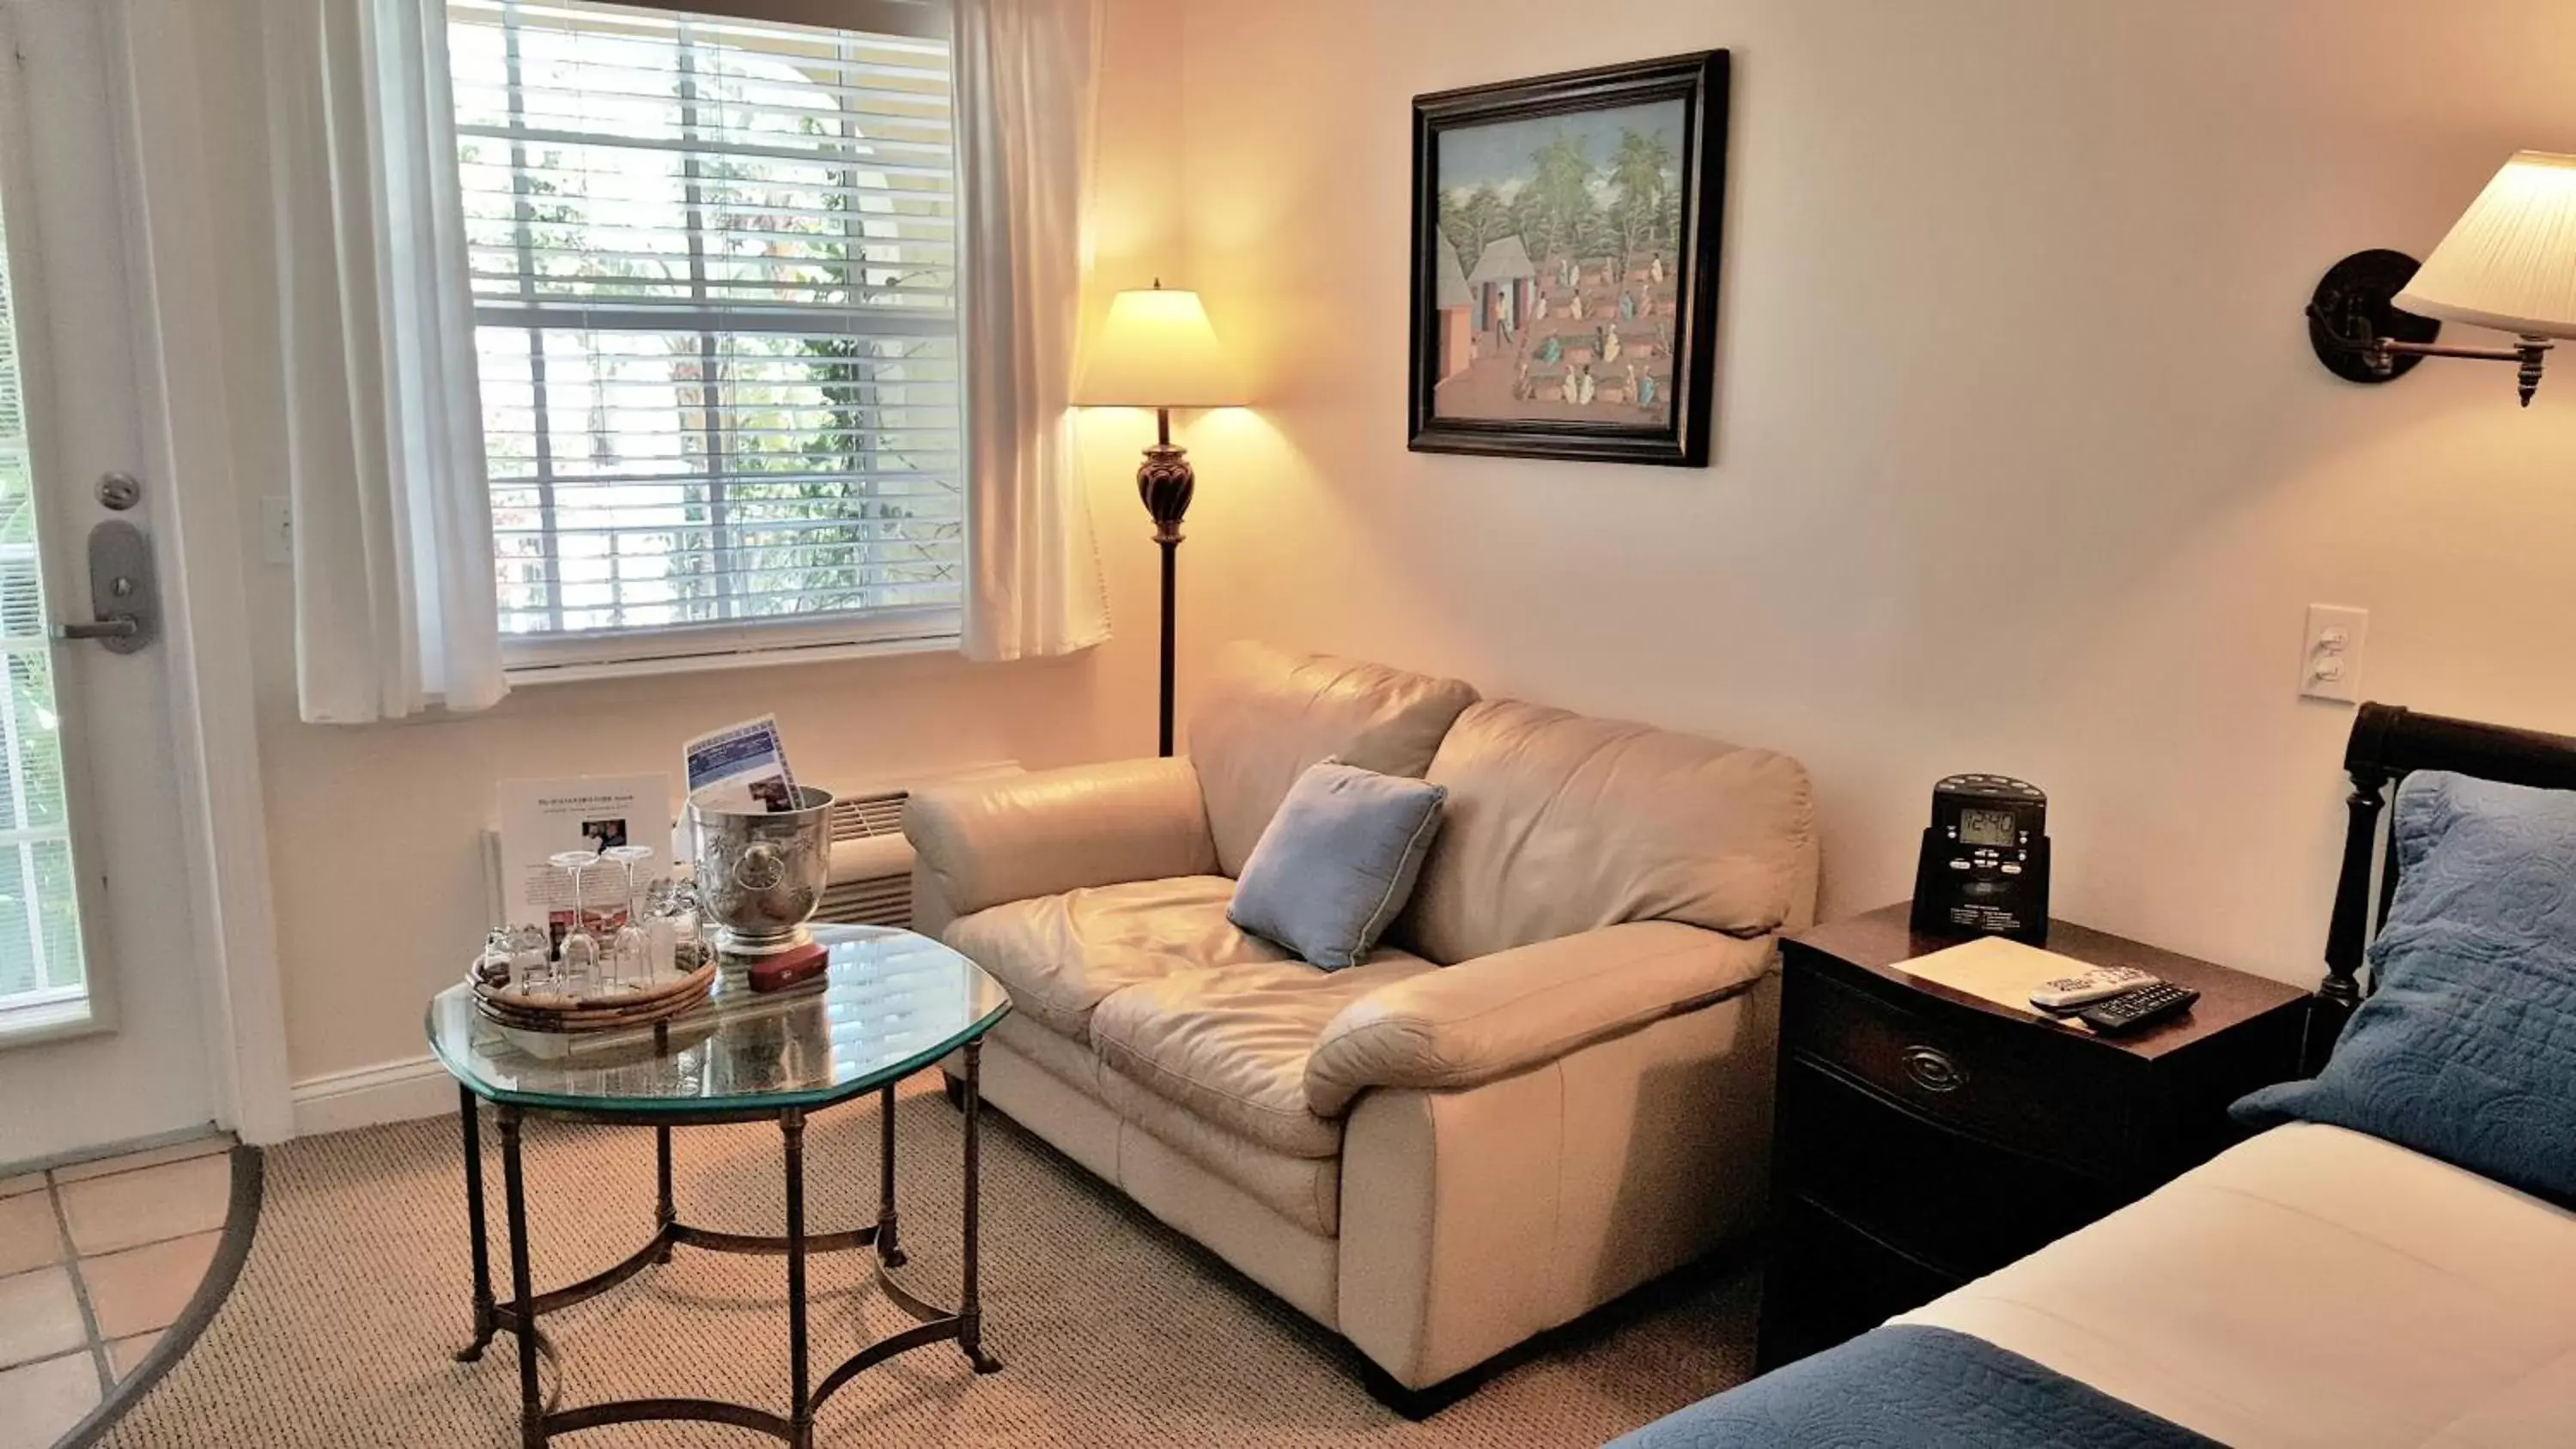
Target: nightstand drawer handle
1933 1070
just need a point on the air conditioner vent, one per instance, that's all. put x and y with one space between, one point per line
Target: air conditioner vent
871 882
861 816
884 900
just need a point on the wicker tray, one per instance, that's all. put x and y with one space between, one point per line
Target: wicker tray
550 1012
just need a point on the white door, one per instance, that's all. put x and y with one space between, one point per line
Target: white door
101 1037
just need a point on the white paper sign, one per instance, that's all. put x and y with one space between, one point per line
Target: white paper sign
587 812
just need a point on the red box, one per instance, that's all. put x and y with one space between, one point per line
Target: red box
789 968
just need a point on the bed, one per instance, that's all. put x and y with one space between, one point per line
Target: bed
2314 1285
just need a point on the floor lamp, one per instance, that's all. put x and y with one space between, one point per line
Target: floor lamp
1157 351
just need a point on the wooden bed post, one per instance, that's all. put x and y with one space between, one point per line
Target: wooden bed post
2348 931
2365 760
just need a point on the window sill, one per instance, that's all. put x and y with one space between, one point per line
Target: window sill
530 675
50 1021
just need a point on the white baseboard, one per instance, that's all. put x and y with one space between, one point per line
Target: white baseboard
400 1091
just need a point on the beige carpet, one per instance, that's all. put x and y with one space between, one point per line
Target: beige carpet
1116 1330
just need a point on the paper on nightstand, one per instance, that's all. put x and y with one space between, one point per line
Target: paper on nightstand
1993 968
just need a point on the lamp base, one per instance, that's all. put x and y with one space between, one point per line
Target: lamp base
1166 481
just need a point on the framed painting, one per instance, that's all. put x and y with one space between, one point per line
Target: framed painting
1565 256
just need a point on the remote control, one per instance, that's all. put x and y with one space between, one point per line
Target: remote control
2086 987
2137 1008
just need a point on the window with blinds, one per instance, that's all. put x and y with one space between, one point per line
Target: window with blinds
43 975
714 272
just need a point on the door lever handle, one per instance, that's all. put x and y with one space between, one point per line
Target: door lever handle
115 626
124 595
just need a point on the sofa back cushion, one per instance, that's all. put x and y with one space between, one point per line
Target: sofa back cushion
1267 715
1559 823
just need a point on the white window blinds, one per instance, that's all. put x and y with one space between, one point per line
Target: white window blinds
714 271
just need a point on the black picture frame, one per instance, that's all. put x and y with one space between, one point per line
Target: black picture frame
1699 81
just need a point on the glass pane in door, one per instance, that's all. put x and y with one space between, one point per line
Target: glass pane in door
40 939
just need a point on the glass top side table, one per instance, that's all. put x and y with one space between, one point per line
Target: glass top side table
891 1004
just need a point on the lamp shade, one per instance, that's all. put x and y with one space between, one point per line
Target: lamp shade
2510 261
1157 351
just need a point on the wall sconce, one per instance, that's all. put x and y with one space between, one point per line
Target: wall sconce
2509 263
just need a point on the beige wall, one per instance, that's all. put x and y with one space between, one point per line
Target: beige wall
2011 293
376 832
2011 286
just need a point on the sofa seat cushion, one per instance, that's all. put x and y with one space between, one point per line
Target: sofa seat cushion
1060 956
1230 1043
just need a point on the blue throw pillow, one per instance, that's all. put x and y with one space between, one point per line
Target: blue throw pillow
2466 1049
1337 862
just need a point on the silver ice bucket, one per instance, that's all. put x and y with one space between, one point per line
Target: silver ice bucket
761 875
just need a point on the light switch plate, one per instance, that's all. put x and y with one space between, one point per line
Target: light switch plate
2330 659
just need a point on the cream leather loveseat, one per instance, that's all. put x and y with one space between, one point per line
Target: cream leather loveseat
1552 1084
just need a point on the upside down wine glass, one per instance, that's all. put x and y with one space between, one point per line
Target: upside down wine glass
630 963
580 950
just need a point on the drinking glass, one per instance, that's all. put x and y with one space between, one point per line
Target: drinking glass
492 968
661 932
688 946
532 958
676 925
580 950
630 962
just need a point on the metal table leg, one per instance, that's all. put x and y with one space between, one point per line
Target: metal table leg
469 1115
521 1311
889 1247
665 1211
800 1396
514 1187
970 1305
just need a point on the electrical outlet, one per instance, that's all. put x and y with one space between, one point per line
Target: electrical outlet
2330 661
277 529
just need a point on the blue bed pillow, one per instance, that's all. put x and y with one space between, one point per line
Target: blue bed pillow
1337 861
2466 1050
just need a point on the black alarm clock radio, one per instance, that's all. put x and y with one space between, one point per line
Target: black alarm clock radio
1984 870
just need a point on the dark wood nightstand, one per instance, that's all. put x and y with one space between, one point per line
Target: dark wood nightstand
1927 1137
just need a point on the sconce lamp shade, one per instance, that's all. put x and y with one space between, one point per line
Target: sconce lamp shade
1157 351
2510 261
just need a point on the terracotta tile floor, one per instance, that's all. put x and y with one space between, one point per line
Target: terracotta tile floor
95 1260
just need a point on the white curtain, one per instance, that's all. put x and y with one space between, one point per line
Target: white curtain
394 605
1027 81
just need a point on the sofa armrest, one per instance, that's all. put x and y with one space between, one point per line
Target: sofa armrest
1474 1218
1495 1015
985 842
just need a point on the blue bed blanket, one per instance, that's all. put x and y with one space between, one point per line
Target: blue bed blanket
1911 1387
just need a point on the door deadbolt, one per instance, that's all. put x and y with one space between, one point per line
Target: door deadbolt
118 492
